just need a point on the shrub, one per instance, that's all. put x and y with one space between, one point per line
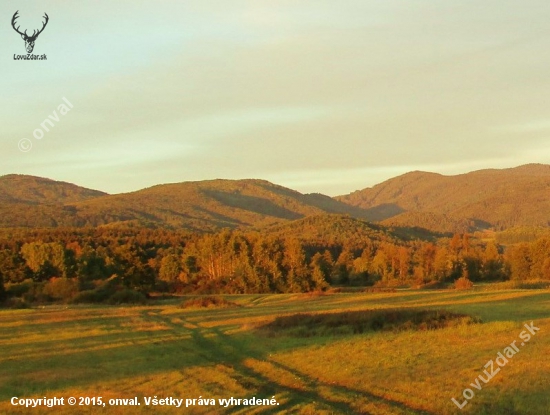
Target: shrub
36 294
463 283
16 303
29 291
18 289
61 288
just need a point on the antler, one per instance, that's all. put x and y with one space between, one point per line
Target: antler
14 18
34 36
34 33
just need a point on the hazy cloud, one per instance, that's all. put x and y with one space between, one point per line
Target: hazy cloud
320 96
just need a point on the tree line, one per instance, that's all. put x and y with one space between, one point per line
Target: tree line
110 263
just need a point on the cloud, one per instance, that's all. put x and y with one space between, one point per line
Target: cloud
311 93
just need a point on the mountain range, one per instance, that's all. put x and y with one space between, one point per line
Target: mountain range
484 199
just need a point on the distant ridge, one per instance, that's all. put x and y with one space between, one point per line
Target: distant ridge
31 189
196 206
491 198
487 198
36 202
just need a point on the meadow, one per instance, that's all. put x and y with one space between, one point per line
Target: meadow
256 346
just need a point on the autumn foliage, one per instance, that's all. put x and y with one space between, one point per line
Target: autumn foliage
109 264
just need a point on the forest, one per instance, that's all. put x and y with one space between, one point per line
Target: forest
124 264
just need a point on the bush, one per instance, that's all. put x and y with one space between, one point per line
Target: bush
463 283
61 288
36 294
2 290
16 303
29 291
19 289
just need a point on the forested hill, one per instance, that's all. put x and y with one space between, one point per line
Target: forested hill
175 237
36 202
486 198
196 206
18 188
498 199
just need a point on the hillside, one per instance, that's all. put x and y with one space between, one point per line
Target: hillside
329 229
435 222
497 199
206 205
28 201
197 206
486 198
18 188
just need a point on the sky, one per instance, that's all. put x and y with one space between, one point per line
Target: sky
315 95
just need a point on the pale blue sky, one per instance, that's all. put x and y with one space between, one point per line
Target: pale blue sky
321 96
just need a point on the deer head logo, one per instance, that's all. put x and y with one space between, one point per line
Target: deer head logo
29 40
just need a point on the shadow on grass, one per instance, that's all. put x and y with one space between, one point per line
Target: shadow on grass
104 359
206 339
357 322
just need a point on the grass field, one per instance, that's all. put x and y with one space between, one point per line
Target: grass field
163 350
